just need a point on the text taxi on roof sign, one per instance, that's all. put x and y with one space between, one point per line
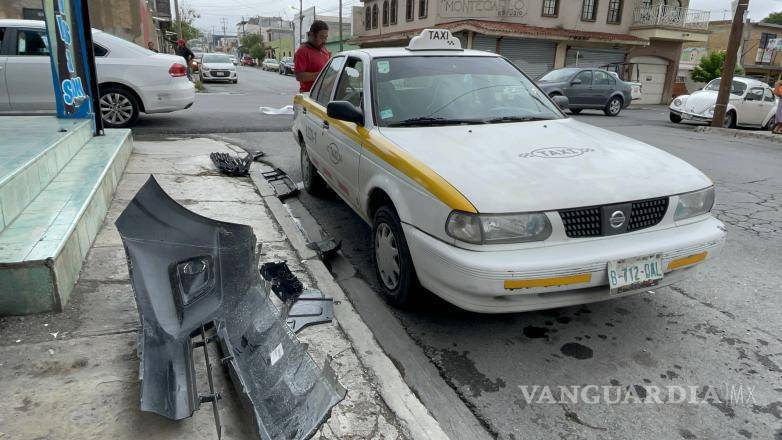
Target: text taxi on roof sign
479 188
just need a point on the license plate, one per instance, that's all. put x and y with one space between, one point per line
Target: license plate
635 273
686 116
221 73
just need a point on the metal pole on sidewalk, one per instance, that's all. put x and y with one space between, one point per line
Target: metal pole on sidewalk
340 25
301 21
726 82
178 18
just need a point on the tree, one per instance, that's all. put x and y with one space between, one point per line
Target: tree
247 42
773 18
257 52
187 17
710 67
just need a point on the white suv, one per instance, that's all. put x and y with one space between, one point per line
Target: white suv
131 78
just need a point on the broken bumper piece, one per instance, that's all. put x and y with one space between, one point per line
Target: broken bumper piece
190 271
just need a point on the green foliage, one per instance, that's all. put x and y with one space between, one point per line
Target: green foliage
187 17
710 67
250 40
257 52
774 18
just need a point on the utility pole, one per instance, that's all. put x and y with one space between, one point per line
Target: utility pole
301 21
340 26
718 120
178 18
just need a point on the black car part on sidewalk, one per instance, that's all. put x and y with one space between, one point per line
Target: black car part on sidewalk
191 273
233 166
301 308
282 183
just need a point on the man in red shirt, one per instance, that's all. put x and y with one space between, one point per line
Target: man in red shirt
312 56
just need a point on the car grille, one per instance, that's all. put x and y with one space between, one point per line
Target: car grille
587 222
583 222
647 213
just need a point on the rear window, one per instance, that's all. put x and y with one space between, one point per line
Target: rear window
112 42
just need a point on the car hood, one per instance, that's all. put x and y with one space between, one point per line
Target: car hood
701 100
218 65
546 165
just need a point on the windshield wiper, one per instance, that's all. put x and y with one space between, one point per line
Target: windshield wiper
428 120
515 119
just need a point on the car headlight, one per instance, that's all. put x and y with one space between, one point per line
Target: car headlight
694 203
677 102
204 68
497 228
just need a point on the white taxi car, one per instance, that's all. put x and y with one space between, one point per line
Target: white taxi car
751 104
478 187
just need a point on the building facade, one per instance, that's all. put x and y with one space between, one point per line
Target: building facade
758 55
640 39
138 21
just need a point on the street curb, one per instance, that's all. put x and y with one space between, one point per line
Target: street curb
741 134
395 392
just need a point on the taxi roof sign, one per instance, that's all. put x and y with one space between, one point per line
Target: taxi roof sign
435 39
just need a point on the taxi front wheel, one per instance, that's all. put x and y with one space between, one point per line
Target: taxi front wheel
393 265
313 183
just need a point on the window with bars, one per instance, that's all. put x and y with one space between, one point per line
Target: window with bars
423 8
374 16
409 10
614 11
550 8
394 11
385 13
368 18
589 10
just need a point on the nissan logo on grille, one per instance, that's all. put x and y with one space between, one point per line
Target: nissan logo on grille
617 219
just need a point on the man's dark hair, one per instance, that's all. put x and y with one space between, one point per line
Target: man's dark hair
317 26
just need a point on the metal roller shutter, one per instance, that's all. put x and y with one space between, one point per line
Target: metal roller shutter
484 43
588 57
534 57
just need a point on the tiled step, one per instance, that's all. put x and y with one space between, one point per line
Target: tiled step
34 150
42 249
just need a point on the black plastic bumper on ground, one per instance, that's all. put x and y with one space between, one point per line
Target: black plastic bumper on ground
188 271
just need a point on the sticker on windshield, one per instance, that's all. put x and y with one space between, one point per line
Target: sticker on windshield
387 113
383 67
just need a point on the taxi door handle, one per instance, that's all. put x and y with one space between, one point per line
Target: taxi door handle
326 125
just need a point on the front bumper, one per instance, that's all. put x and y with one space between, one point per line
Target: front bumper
686 116
212 76
477 281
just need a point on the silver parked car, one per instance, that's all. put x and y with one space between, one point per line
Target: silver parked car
588 89
217 67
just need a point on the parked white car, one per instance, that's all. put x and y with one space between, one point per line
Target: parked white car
479 187
131 78
751 104
217 67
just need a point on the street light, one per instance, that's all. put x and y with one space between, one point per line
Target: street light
301 20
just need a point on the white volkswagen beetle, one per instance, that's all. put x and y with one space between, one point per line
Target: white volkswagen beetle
478 187
751 104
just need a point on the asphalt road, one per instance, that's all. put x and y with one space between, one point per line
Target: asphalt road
229 108
720 331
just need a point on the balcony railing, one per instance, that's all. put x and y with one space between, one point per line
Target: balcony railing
670 16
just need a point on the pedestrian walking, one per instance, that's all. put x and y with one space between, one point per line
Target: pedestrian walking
312 56
183 51
778 91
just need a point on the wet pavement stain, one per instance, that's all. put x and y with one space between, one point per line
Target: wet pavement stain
534 332
576 350
462 368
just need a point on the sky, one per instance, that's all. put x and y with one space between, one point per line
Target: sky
214 11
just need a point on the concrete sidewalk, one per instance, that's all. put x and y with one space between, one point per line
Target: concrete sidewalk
75 374
763 135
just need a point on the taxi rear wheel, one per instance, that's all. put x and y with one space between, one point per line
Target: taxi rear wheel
393 265
313 183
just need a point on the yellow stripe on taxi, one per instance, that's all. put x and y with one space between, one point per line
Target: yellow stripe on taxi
548 282
687 261
395 157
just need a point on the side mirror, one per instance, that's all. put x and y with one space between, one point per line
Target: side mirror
575 82
562 101
345 111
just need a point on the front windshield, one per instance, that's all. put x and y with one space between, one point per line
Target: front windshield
216 59
737 88
286 60
454 89
560 75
